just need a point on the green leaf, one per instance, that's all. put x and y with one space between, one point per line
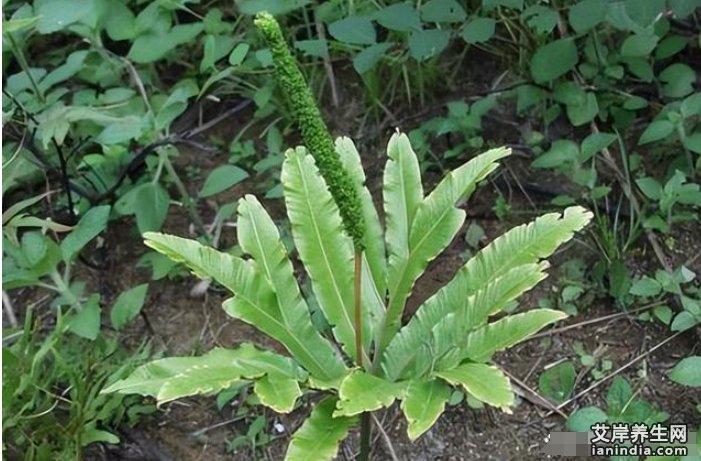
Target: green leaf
664 314
370 56
172 108
639 45
641 68
478 30
277 392
208 58
128 305
684 8
693 142
646 286
324 248
315 48
579 114
691 106
238 54
123 130
522 245
670 46
222 178
568 92
74 63
426 44
583 419
435 223
507 331
553 60
153 19
650 187
152 207
418 352
89 227
355 30
177 377
56 15
529 96
540 18
92 435
16 24
442 11
557 382
687 372
678 80
221 75
422 404
374 235
319 436
39 252
684 321
255 301
361 392
635 103
618 396
153 46
259 238
659 129
402 194
586 14
561 153
595 143
120 22
86 323
401 17
486 383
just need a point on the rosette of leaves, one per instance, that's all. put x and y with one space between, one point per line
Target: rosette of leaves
449 342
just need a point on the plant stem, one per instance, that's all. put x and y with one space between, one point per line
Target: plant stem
689 157
64 289
358 309
364 454
186 198
365 417
19 54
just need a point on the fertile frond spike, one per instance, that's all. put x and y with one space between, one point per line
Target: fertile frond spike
315 133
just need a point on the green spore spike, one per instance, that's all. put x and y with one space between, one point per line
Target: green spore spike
315 133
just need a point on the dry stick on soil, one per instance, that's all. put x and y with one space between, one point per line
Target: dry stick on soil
390 423
532 396
592 321
388 441
533 367
616 372
9 311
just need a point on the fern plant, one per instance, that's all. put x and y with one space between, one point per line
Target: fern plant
449 342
